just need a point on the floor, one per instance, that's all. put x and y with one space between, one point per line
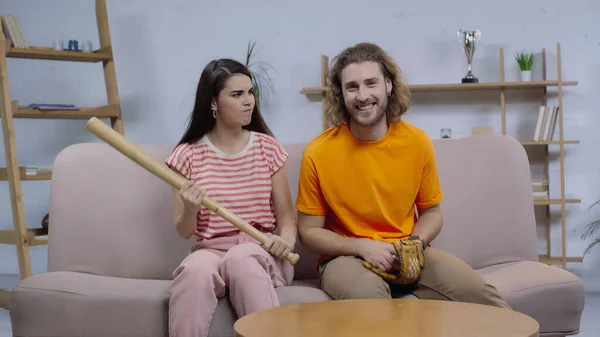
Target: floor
590 324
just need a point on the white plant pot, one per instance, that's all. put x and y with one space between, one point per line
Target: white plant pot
526 75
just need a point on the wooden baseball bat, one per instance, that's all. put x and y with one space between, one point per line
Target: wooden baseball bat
161 170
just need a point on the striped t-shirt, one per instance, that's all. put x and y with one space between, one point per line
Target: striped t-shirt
239 182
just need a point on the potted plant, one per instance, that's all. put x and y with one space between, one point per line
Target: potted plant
590 229
258 78
525 61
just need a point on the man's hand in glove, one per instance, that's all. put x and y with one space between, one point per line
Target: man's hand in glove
381 255
406 267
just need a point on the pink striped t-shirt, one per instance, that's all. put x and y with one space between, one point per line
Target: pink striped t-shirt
240 182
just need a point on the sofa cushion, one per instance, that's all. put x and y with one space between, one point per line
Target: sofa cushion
80 304
552 296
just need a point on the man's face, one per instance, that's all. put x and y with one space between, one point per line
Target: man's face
365 92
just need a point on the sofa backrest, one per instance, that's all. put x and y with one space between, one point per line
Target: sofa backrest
109 216
487 209
488 206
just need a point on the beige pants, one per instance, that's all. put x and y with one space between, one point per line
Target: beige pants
444 277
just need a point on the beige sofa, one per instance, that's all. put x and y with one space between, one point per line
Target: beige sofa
113 245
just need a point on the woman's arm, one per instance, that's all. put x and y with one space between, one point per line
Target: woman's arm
285 214
186 213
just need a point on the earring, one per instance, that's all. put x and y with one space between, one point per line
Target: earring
215 114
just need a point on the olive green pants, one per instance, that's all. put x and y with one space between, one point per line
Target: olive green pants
444 277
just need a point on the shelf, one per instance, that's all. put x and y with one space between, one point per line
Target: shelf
4 298
83 113
557 260
556 202
34 237
463 87
487 86
23 175
39 240
103 61
40 53
552 142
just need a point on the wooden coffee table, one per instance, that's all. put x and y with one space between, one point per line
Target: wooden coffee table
382 318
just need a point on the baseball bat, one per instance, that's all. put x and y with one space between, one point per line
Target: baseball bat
162 171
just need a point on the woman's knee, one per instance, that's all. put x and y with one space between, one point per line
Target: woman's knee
197 275
244 253
242 258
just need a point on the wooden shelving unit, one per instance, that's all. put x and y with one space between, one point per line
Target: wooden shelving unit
38 53
22 236
502 86
464 87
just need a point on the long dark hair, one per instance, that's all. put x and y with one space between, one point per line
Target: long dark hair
212 81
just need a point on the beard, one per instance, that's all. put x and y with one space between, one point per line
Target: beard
368 117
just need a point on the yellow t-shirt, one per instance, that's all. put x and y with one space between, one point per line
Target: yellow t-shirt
368 189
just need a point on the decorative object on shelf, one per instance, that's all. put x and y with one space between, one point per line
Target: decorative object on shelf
446 133
258 77
525 61
58 45
482 130
45 222
468 40
86 46
590 229
73 45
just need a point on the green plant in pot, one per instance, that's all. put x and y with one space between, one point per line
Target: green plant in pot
260 73
525 62
590 229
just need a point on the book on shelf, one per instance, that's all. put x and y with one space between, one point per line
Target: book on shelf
44 106
13 32
35 170
546 123
537 196
540 189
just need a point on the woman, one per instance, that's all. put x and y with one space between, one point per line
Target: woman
229 154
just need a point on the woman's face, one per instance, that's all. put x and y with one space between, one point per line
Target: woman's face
235 102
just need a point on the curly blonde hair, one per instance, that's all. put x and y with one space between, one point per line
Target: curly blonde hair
398 101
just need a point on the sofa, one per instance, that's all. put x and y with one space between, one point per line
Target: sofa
113 245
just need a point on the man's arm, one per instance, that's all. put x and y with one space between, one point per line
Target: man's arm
316 238
429 224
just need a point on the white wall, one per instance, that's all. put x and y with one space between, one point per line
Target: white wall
161 47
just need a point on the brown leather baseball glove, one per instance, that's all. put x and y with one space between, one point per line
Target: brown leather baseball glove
408 265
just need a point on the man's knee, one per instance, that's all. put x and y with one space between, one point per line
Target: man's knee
346 278
473 288
447 276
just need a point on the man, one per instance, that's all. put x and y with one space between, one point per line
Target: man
360 182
